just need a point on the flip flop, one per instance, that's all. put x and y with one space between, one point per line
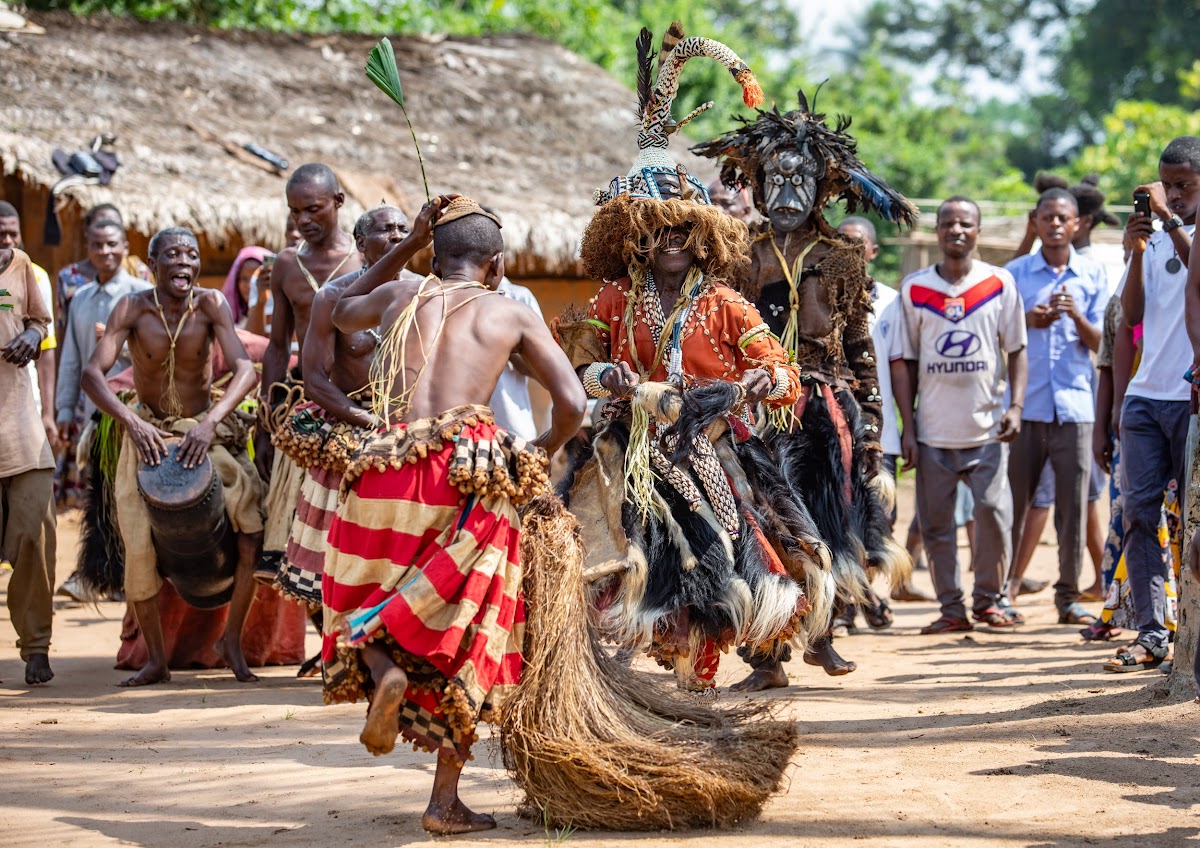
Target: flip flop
946 624
999 617
1098 631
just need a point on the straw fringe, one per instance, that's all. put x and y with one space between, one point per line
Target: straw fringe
596 745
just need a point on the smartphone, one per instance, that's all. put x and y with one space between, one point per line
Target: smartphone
1141 203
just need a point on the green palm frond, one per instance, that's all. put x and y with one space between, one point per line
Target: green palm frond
381 69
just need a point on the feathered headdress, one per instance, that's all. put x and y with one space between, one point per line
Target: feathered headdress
744 152
654 110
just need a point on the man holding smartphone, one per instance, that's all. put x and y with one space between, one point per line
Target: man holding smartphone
1154 417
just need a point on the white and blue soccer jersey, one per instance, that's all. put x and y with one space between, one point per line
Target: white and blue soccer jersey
959 335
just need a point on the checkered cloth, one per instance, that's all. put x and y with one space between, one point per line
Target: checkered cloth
300 574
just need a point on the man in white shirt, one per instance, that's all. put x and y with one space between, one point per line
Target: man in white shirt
960 317
510 402
1154 417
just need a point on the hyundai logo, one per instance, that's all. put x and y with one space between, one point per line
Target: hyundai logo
957 344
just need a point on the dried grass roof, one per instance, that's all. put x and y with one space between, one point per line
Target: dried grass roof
518 123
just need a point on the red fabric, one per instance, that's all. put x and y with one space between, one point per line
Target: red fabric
711 338
273 635
845 440
426 483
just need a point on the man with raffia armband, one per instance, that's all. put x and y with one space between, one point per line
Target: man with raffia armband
171 330
323 431
694 544
424 613
326 252
811 285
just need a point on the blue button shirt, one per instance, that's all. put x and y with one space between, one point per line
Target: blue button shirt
1060 364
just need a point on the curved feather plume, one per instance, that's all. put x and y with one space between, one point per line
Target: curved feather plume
671 37
885 200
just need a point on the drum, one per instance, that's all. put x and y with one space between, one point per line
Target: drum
196 547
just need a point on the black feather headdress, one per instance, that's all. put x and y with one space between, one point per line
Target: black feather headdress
744 151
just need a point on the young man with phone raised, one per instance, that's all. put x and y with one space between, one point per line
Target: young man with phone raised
1154 418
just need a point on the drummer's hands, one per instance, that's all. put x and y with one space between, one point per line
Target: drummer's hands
148 440
196 443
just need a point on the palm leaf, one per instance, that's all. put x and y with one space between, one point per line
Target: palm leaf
382 70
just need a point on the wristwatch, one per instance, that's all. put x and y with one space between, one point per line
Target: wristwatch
1172 223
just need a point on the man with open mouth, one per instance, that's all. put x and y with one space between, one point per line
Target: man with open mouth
171 330
684 563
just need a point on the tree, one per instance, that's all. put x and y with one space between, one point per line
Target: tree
1135 132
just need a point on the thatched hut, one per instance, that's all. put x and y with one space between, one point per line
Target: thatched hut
521 124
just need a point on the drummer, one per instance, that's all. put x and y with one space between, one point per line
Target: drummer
170 330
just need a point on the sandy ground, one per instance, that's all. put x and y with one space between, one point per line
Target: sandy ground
988 738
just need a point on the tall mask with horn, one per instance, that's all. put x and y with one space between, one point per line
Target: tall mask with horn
655 174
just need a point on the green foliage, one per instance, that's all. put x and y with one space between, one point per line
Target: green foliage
1135 133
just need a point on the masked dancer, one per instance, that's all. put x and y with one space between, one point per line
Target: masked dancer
686 559
812 287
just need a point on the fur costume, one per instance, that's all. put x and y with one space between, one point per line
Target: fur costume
814 292
687 556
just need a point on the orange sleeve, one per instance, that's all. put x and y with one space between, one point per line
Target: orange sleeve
758 348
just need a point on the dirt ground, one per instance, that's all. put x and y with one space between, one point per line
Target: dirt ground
988 738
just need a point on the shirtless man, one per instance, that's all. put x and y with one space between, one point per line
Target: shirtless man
335 363
172 373
314 198
336 368
458 343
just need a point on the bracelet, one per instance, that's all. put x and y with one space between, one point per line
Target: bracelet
591 380
782 384
1020 406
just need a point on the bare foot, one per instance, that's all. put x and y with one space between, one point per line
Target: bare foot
1092 593
37 670
382 727
150 673
231 652
762 679
905 591
823 654
455 819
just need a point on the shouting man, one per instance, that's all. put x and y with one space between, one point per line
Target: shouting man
170 331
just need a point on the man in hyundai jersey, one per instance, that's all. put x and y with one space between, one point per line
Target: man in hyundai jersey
958 318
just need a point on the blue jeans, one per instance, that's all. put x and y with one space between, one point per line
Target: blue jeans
1153 451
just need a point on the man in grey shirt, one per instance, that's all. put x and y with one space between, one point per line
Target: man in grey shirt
90 308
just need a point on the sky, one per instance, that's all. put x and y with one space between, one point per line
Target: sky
822 22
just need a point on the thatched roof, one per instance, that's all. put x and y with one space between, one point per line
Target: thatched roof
517 122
